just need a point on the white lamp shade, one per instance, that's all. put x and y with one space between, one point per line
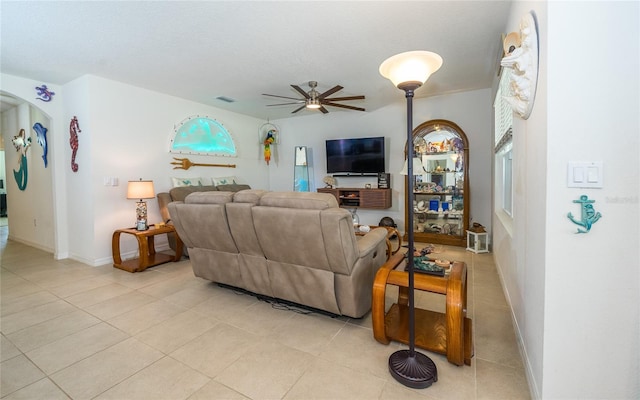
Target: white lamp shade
140 190
412 66
418 169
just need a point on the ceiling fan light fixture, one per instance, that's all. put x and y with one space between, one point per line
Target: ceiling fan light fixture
313 104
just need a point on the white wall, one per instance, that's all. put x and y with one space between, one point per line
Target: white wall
574 297
126 132
472 111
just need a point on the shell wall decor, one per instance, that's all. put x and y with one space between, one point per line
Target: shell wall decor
521 56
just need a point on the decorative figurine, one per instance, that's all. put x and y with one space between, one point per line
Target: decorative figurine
74 128
44 93
268 141
21 143
588 214
41 138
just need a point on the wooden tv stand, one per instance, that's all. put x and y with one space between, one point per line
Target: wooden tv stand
360 197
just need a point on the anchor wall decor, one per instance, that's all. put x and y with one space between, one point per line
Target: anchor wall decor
588 215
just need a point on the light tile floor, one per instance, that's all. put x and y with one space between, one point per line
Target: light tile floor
80 332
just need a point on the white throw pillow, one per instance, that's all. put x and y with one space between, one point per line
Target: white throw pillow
225 180
178 182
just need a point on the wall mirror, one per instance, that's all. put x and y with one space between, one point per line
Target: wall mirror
441 201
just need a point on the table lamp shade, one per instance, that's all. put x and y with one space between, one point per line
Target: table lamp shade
140 190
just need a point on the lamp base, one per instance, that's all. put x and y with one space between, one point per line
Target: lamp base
417 372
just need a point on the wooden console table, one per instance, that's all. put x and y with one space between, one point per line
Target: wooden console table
146 246
448 333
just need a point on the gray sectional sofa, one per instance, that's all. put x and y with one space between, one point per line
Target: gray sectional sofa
296 246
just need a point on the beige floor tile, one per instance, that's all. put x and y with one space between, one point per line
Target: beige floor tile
17 373
7 349
498 382
216 391
495 337
80 345
76 287
175 331
355 348
49 331
216 349
169 286
394 391
326 380
17 304
260 318
98 295
138 280
144 317
278 366
98 373
42 389
454 382
310 333
164 379
225 304
193 295
119 305
26 318
18 289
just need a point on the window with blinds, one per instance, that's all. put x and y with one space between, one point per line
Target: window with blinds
503 113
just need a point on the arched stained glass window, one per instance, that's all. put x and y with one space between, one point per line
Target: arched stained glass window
203 135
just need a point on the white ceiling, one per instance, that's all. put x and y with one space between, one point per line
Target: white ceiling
240 49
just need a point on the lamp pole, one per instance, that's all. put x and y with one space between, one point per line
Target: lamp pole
408 71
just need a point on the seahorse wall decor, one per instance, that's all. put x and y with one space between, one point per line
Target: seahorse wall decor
41 138
74 129
21 143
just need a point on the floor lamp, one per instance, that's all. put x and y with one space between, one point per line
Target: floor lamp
408 71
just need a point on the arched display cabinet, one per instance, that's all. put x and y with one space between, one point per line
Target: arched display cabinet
441 193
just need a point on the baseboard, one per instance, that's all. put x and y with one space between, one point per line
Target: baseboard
531 382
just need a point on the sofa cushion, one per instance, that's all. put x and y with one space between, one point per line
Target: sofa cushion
180 193
299 200
209 198
249 196
233 187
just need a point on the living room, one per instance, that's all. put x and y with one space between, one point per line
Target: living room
126 129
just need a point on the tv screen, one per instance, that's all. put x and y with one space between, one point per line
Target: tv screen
355 156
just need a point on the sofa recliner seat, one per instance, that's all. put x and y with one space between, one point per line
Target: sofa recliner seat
295 246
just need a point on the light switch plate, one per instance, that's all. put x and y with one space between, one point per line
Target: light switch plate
585 174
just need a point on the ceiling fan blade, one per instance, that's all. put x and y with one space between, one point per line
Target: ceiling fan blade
285 104
330 91
302 92
282 97
324 110
343 106
297 109
345 98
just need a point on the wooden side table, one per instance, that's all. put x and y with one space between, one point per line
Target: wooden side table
448 333
146 246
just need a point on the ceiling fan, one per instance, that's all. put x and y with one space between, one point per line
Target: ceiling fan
316 101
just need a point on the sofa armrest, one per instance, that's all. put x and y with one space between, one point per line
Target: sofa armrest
370 241
164 199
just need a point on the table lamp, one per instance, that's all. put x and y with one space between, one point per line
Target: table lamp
408 71
141 190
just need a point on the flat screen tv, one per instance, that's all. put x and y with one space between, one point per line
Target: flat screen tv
355 156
